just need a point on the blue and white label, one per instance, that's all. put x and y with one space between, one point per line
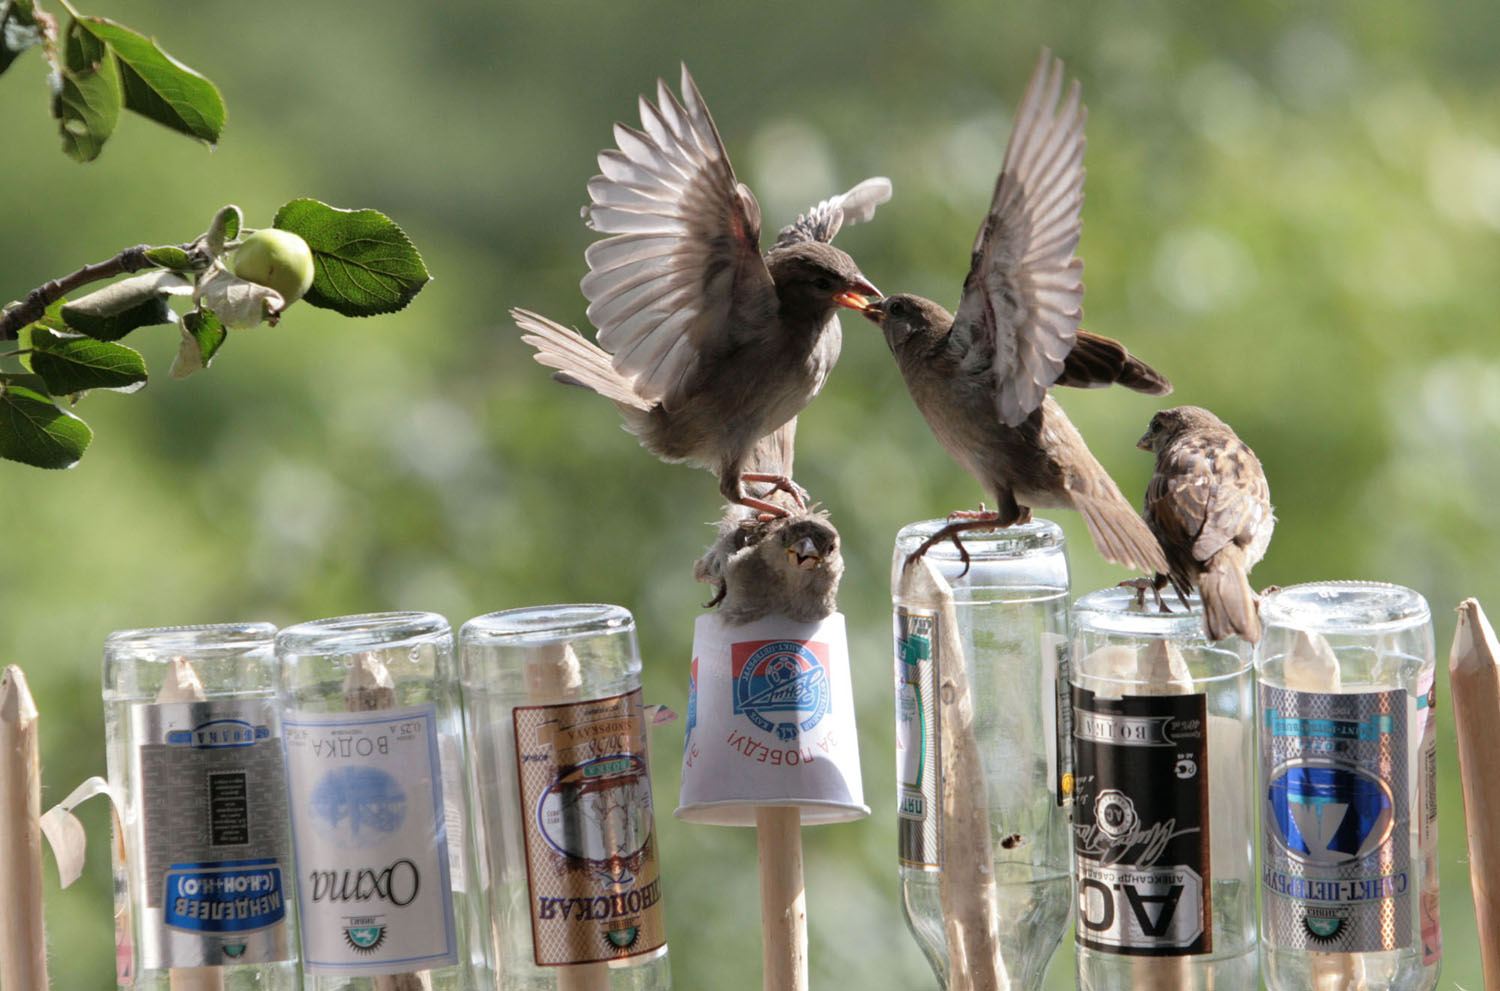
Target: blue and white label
1336 870
781 685
213 833
374 887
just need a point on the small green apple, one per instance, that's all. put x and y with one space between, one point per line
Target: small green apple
276 259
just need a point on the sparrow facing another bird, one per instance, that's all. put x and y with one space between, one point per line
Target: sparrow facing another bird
980 377
789 566
705 345
1210 507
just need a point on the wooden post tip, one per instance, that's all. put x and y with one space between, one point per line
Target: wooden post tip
16 704
1474 645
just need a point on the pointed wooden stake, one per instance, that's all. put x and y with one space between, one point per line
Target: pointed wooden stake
23 944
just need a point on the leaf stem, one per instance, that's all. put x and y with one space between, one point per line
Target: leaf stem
34 306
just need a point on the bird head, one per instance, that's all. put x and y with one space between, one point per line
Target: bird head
1168 424
813 278
904 317
808 542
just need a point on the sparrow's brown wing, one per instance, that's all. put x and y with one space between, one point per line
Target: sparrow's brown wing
1209 491
684 277
823 221
1023 297
1097 361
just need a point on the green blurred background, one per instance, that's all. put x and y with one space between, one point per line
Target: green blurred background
1292 211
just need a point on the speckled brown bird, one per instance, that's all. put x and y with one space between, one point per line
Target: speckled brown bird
981 376
788 566
705 345
1210 507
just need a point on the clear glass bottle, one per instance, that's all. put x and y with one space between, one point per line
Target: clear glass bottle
375 764
1348 791
204 887
1007 615
1164 758
552 699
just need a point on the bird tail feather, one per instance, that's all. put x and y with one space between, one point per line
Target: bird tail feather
1119 533
1229 604
578 360
1097 361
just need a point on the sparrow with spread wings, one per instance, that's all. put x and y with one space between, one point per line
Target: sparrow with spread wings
980 377
706 345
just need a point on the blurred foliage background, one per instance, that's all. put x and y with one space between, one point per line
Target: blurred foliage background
1292 211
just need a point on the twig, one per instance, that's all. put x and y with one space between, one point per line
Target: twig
367 687
34 306
182 685
1474 676
966 882
23 945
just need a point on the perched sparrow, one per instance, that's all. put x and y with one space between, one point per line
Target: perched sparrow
1209 505
705 344
980 377
789 566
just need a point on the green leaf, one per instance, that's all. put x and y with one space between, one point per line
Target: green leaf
18 30
169 257
89 95
224 227
364 264
208 330
158 86
117 309
33 431
76 364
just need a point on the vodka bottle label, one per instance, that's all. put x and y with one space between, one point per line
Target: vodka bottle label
591 849
371 841
1337 872
1140 823
213 809
918 784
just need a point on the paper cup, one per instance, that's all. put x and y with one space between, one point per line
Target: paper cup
770 722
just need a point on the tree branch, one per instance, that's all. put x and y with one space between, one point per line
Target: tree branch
34 307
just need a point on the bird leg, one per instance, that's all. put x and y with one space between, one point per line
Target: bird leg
963 521
1141 585
779 483
723 590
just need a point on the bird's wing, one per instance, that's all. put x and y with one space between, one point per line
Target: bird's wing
683 277
1022 300
1209 495
823 221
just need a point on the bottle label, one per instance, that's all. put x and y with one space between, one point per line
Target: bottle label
213 813
1140 823
1060 743
918 797
1336 858
1427 828
592 867
371 841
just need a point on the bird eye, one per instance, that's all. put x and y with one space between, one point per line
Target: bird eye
823 282
898 308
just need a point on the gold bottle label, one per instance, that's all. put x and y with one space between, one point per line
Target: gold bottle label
591 855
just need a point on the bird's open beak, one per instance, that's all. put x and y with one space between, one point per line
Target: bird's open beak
857 297
804 554
873 313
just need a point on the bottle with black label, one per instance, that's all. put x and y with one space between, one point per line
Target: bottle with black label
1164 764
1347 788
203 883
558 734
375 767
980 663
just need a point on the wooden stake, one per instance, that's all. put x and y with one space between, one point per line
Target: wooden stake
1474 678
23 943
554 675
783 898
182 685
369 686
1312 666
966 883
